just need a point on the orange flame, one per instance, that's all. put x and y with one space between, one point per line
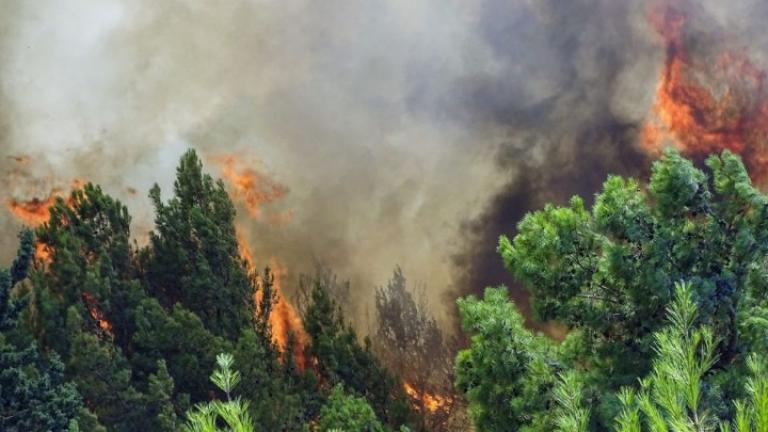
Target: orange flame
706 103
251 188
423 400
36 211
42 253
96 313
284 318
33 212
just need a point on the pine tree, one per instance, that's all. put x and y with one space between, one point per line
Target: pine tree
507 372
347 413
676 395
609 274
194 258
103 377
232 411
159 401
341 359
181 339
410 342
34 394
91 264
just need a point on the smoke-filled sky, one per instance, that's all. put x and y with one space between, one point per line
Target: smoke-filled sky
406 132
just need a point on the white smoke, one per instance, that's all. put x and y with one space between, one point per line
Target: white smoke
392 123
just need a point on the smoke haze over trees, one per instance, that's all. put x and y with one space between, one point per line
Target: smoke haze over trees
438 124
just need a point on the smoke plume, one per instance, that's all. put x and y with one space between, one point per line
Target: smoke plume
379 133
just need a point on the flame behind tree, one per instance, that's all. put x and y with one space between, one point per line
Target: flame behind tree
251 188
35 211
86 241
272 308
254 190
710 95
411 343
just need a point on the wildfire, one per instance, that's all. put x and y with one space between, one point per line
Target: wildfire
424 400
35 212
284 318
43 253
251 188
96 313
706 102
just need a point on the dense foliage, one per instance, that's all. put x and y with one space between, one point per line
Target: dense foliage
663 288
34 394
609 274
98 334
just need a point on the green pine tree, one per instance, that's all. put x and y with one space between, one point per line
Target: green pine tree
345 412
341 359
231 411
34 394
181 339
609 274
194 258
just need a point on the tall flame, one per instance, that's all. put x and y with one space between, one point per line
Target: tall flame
284 318
706 102
254 190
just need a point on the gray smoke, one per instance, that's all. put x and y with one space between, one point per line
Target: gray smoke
410 133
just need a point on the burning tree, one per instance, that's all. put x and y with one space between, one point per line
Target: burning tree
411 343
340 358
33 392
711 96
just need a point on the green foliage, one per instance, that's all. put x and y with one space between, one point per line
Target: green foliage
160 400
506 374
342 360
753 415
347 413
92 264
282 398
609 275
181 339
194 258
132 334
574 417
34 394
234 413
103 377
671 397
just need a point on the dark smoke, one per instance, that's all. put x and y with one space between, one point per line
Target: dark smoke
411 133
564 141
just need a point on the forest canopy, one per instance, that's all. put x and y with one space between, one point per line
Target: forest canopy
99 333
663 289
661 286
